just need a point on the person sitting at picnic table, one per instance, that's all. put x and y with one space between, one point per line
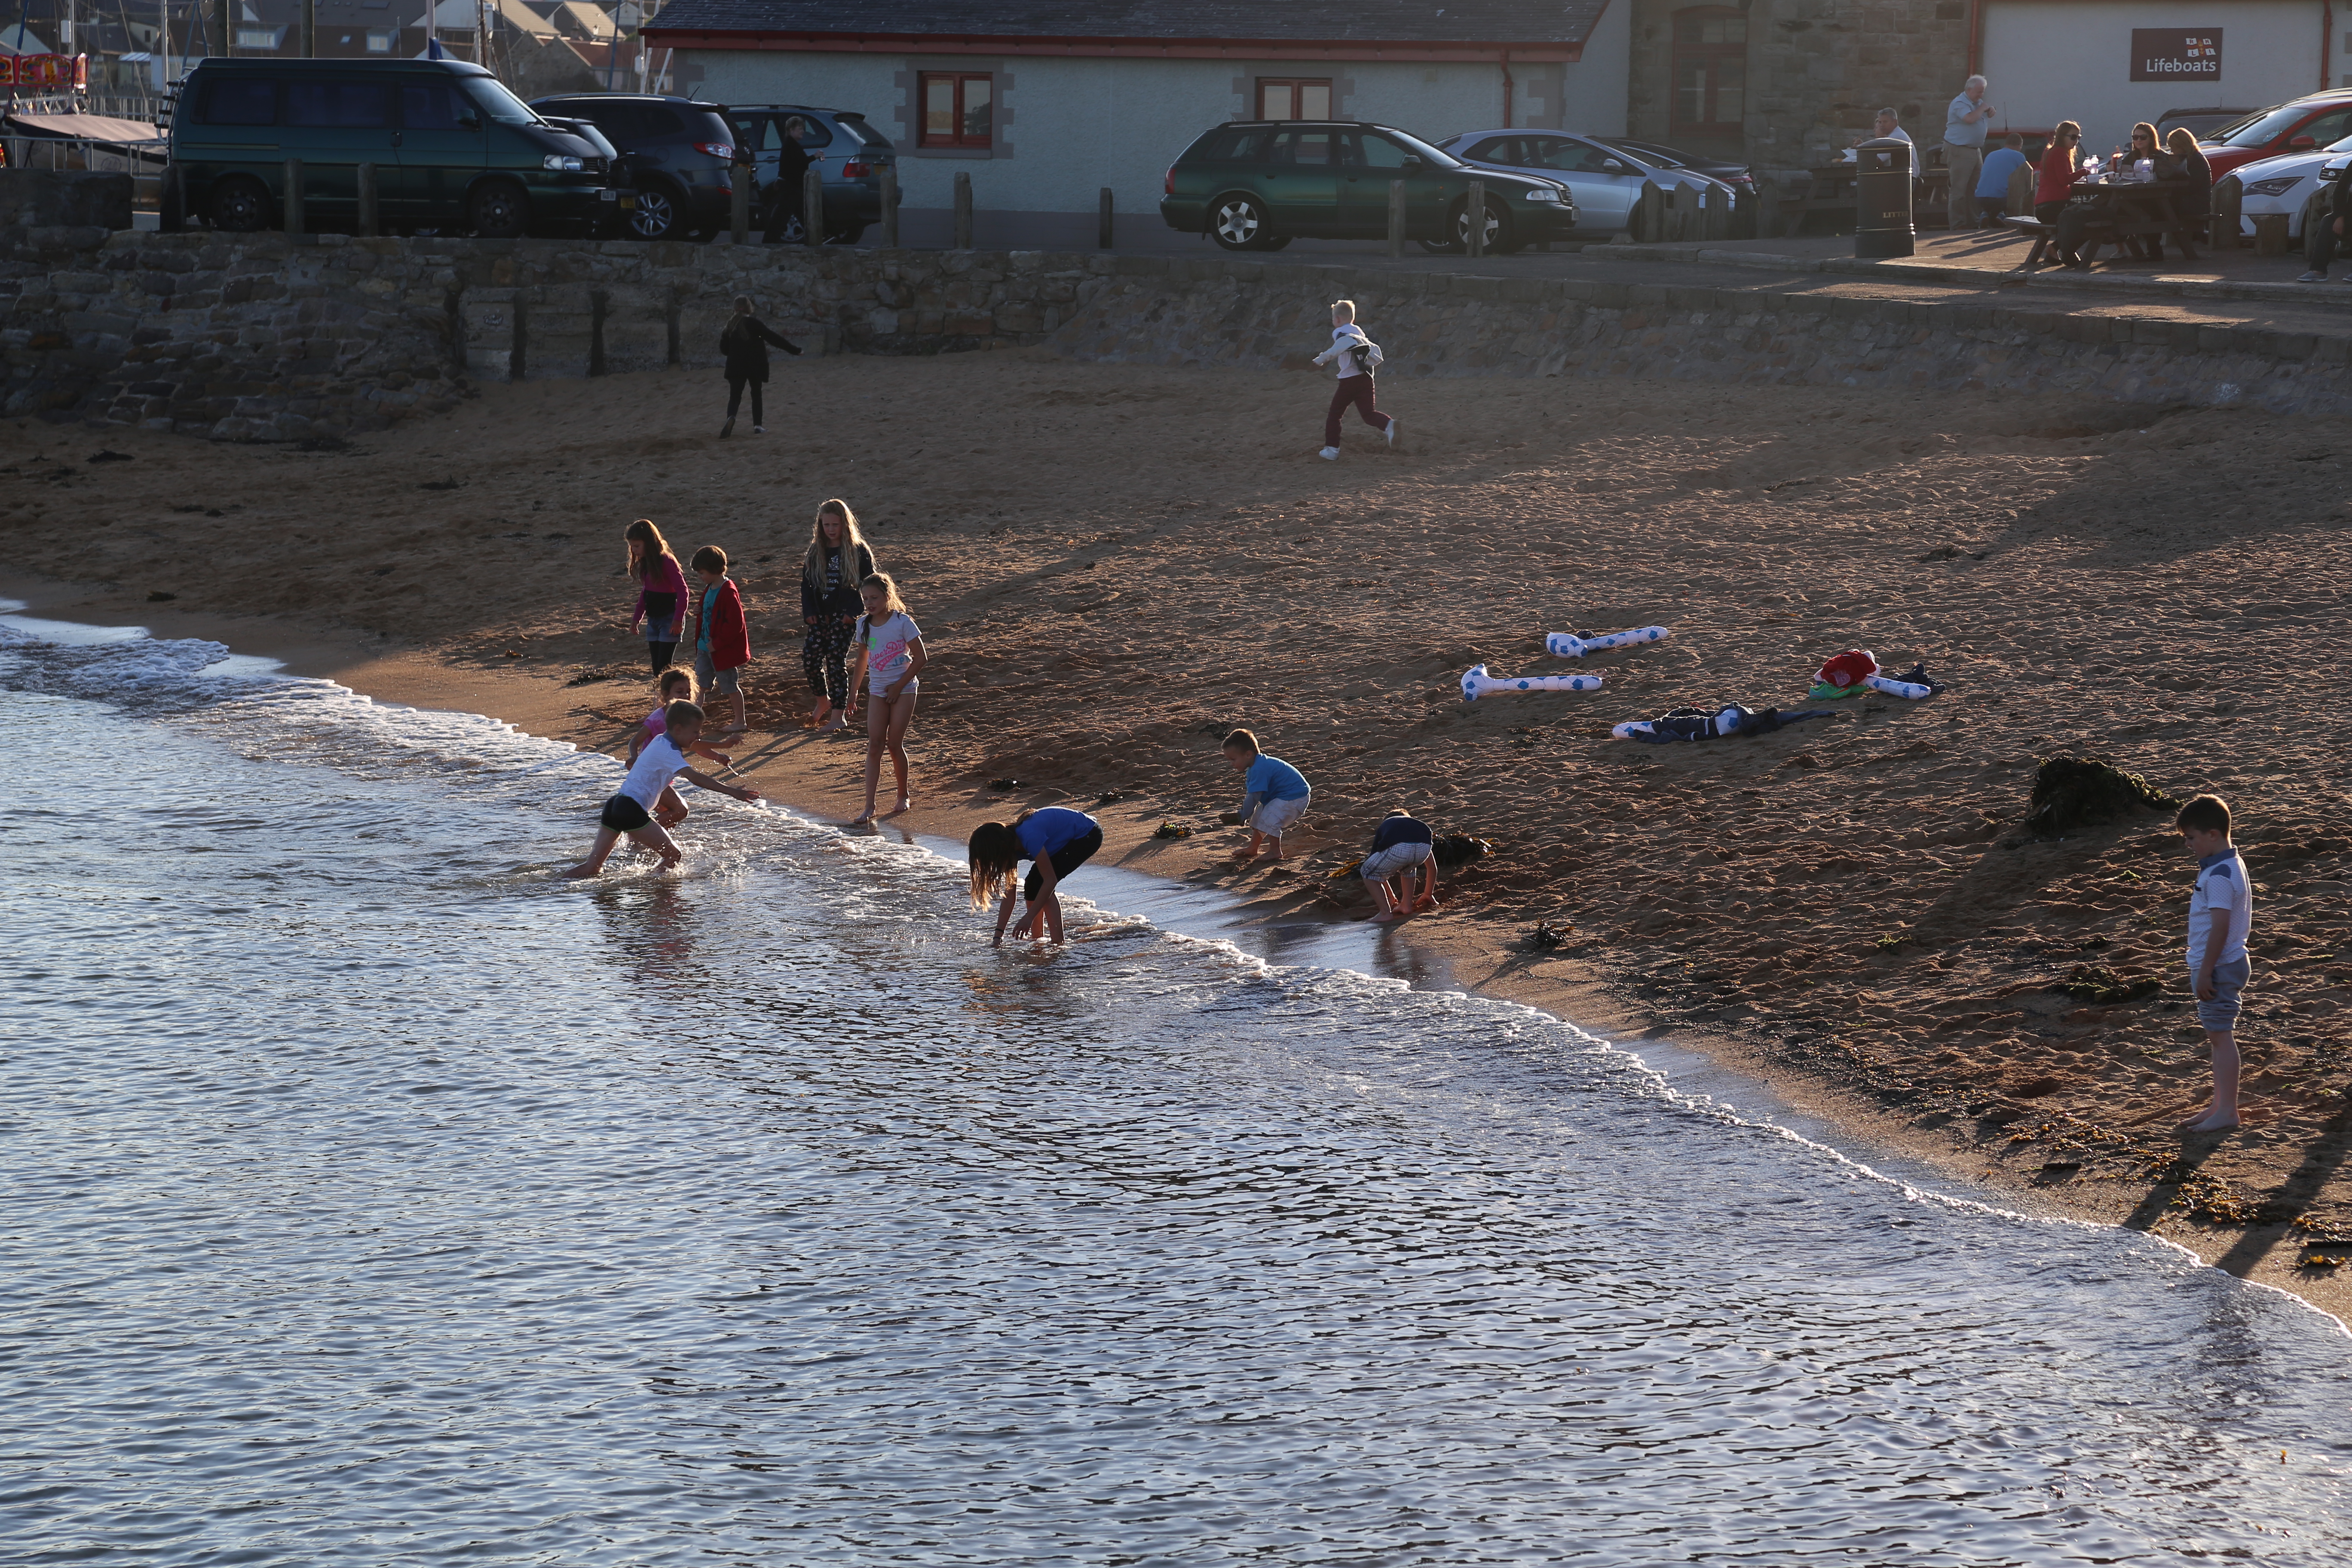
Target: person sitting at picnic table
2193 202
2147 163
2061 170
1887 126
1992 185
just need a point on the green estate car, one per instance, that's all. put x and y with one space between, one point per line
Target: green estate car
1257 184
454 152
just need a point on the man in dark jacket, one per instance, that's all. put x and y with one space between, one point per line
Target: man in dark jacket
2324 231
784 196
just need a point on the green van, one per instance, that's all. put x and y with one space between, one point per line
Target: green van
454 152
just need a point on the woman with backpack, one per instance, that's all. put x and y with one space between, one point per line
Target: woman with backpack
1355 356
744 341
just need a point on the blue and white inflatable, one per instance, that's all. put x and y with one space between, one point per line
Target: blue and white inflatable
1476 683
1568 644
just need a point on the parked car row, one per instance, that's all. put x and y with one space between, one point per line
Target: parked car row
2285 158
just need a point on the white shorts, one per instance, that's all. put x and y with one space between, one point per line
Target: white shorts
1387 863
1273 816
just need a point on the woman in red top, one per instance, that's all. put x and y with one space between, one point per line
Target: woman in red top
2061 167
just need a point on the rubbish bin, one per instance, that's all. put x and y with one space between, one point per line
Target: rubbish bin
1882 190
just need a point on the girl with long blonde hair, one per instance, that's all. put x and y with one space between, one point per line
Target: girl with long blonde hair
837 560
890 660
661 590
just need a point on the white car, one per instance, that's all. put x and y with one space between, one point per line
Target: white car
2287 185
1606 181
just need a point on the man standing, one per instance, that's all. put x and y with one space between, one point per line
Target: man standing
1965 124
785 197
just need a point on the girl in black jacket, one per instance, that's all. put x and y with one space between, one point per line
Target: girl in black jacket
837 560
744 341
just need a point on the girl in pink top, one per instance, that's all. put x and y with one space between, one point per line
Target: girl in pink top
661 591
675 685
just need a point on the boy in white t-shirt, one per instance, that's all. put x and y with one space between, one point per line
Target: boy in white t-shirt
2220 914
631 812
1356 357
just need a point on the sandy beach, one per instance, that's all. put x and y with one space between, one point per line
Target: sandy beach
1112 565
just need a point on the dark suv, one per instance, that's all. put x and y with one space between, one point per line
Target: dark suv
677 154
848 154
1256 184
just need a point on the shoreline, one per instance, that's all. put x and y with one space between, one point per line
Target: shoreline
822 779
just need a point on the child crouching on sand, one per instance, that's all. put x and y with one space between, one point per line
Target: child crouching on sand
631 811
1277 793
1355 356
676 685
1401 849
2221 917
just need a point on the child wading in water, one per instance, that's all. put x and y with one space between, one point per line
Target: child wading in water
1056 839
1402 848
837 560
631 811
1355 356
722 638
1277 793
2221 916
676 685
890 659
661 591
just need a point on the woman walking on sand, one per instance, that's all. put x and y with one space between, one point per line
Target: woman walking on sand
744 341
837 560
661 591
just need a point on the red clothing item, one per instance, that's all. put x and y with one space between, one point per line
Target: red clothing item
2058 177
1848 668
731 635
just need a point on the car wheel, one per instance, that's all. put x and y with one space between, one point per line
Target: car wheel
655 216
240 206
1496 240
498 211
1239 222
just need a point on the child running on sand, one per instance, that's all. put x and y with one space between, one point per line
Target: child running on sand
1277 793
722 638
661 591
1056 839
675 685
1355 356
1403 847
890 660
631 811
2221 915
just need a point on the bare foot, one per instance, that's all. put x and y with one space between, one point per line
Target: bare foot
2212 1122
905 803
862 816
1385 916
581 873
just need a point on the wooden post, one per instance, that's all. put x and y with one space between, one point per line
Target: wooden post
1474 212
738 203
813 204
1396 218
1682 215
962 211
310 30
172 215
891 206
292 201
1717 222
2270 234
1649 219
367 224
1103 221
2227 231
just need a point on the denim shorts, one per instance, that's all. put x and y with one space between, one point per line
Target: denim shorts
2229 980
725 682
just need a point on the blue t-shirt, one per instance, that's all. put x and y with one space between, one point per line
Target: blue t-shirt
1271 778
1994 181
710 610
1051 829
1396 830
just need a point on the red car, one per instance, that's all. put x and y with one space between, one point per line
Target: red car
2301 126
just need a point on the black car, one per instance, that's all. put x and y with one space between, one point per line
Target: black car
677 154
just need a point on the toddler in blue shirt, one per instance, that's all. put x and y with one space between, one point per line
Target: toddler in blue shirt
1276 793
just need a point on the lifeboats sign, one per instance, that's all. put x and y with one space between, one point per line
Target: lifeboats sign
2164 54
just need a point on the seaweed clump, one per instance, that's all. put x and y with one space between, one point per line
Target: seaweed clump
2077 792
2096 982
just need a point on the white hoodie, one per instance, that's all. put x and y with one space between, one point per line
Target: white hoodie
1343 339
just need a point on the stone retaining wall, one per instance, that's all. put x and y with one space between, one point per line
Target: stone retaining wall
1231 312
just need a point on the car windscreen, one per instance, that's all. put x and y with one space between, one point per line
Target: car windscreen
2258 129
1437 156
495 101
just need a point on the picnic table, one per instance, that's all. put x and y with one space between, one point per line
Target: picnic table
2116 212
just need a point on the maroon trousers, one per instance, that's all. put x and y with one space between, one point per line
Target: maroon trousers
1358 390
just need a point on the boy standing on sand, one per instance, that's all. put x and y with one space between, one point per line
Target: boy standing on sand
1355 356
631 812
722 640
1278 795
2220 914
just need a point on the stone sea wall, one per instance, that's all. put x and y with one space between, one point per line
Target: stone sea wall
1233 312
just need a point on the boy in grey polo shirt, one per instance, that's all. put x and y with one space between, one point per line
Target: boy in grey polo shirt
2220 914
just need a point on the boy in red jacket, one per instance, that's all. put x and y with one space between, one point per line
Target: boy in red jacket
722 640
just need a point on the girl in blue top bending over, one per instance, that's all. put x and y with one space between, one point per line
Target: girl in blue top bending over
1059 841
1278 795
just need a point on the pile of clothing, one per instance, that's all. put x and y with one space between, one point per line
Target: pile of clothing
1712 724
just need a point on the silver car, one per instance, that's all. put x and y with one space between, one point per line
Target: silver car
1606 181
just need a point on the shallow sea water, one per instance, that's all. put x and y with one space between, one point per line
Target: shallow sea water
372 1198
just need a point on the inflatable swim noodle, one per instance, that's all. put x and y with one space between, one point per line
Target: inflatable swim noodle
1893 688
1568 644
1477 683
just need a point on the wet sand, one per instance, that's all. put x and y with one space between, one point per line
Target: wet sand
1114 564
